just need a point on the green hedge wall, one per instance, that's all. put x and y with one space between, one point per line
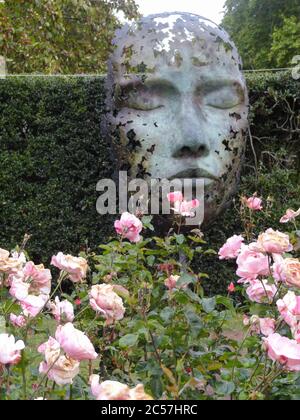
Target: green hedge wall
52 155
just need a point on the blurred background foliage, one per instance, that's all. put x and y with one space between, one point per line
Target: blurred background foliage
74 36
266 32
59 36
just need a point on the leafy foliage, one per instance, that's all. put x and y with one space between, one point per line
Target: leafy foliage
59 36
257 24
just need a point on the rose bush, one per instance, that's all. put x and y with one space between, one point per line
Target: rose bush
132 323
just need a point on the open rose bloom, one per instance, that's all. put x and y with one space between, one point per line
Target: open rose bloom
129 227
104 299
252 264
290 216
75 343
284 351
287 270
10 349
76 267
274 242
62 310
112 390
232 248
261 291
181 206
11 264
57 366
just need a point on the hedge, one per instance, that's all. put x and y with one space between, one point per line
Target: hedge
53 154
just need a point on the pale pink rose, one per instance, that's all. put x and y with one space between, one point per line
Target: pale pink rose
138 394
175 196
19 289
62 310
283 350
274 242
104 300
11 265
129 227
75 343
288 271
257 292
232 248
58 367
289 216
33 305
17 321
10 350
289 308
186 208
252 264
253 203
171 282
113 390
4 255
38 277
76 267
267 326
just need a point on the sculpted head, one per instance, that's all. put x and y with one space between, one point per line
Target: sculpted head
179 103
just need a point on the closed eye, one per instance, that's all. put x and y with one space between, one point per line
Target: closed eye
147 96
223 97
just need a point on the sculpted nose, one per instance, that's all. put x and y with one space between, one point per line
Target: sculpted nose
191 141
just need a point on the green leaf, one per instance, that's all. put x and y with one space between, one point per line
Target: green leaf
225 388
180 239
209 304
128 340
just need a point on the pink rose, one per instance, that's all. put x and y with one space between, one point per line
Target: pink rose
289 308
112 390
252 264
104 300
274 242
283 350
32 305
267 326
10 350
75 343
76 267
289 216
260 293
11 265
175 196
172 283
57 367
288 271
39 278
17 321
186 208
231 288
232 248
18 288
253 203
129 227
61 310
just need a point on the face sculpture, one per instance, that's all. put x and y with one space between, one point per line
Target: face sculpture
179 103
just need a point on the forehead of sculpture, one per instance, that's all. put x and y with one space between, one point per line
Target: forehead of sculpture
172 40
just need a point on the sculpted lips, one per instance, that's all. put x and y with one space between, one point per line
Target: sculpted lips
194 174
